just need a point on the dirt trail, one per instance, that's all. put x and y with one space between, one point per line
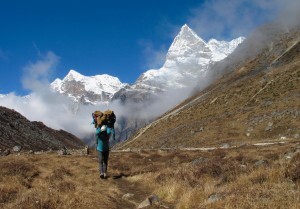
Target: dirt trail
136 192
132 193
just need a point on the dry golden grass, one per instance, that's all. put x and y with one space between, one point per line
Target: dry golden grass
248 177
52 181
245 177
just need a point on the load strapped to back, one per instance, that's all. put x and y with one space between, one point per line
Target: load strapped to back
107 118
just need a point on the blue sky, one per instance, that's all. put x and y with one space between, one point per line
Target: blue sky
119 38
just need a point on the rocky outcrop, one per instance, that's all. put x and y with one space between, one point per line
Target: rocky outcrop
151 200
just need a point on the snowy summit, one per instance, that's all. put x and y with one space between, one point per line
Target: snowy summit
188 58
90 89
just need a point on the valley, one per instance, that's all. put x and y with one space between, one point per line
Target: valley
201 124
232 143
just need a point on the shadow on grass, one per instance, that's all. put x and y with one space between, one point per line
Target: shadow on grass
120 176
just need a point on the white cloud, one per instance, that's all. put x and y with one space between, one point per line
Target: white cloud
35 75
153 57
232 18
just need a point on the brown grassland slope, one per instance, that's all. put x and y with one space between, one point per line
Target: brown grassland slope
243 177
258 100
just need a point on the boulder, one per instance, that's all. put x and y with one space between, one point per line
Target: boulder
151 200
214 197
17 148
269 127
144 204
260 162
62 152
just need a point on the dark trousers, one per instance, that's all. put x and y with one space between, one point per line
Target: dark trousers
103 161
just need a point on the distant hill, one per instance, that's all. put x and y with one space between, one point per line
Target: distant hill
15 129
256 98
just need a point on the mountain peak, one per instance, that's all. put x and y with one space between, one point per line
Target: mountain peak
185 27
88 89
74 75
185 39
187 33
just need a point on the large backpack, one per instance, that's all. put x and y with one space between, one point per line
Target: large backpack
108 118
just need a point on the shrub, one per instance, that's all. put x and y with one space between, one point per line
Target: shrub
17 168
59 173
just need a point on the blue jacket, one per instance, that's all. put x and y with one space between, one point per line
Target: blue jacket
102 139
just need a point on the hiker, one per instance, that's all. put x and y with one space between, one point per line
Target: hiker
104 124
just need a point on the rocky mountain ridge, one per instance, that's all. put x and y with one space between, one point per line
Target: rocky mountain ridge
16 130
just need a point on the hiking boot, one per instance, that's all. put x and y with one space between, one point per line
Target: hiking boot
102 176
105 175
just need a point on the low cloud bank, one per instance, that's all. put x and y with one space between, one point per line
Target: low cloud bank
60 112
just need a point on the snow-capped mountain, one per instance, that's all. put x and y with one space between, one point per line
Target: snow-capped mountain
221 49
188 59
88 89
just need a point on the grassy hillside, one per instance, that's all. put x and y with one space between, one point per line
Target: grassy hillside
258 101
